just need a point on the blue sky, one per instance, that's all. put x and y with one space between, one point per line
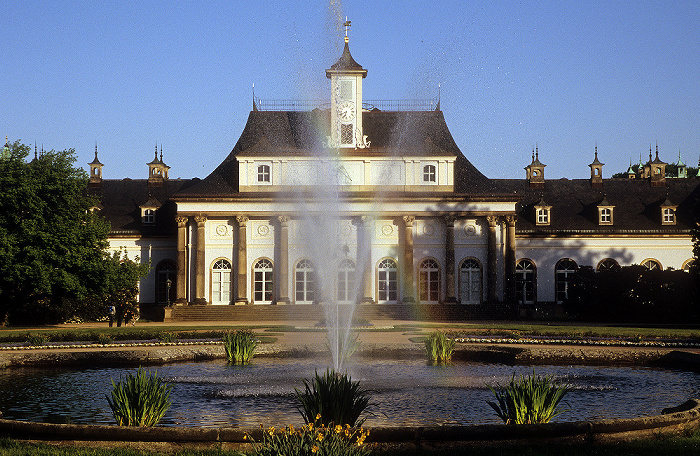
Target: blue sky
563 75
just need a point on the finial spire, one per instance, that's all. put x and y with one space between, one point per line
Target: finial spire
346 24
161 153
35 152
156 157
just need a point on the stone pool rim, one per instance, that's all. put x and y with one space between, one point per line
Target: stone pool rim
673 420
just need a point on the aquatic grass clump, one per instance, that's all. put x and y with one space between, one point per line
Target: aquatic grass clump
139 400
529 400
311 439
439 348
332 398
239 345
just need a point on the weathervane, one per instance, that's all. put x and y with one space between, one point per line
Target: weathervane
346 24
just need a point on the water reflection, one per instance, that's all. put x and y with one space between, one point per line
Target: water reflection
405 392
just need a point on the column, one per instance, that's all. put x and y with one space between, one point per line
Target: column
242 263
450 276
510 258
181 283
284 260
364 252
409 294
200 265
492 260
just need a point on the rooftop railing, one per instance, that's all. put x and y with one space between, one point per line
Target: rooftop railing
369 105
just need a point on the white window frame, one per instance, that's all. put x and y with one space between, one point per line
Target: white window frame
471 281
304 282
221 281
387 281
264 173
429 281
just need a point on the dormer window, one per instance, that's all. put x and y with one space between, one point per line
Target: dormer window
605 216
668 216
148 217
429 173
543 216
264 173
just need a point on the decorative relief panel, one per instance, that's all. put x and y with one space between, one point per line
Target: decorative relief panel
385 229
470 228
221 230
261 230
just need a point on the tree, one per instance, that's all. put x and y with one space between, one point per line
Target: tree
53 245
120 288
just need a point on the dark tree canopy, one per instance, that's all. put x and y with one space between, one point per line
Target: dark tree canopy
53 246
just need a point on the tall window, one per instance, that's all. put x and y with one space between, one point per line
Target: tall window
149 216
470 281
166 270
429 281
608 264
563 272
525 281
651 264
262 282
346 281
387 281
304 282
669 216
263 173
221 282
429 174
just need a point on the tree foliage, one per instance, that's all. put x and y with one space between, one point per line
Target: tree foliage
53 247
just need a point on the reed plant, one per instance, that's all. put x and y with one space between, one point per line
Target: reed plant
332 397
439 348
239 345
311 439
528 400
139 400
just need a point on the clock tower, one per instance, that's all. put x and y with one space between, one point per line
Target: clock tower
346 100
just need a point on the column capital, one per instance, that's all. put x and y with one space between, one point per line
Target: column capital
492 220
409 219
284 219
511 219
200 219
242 220
181 221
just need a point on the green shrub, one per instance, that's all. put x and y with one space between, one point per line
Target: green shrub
104 339
239 345
439 348
139 400
167 336
318 439
38 340
529 400
332 398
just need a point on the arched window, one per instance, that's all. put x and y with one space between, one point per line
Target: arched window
262 282
304 282
429 282
429 174
470 285
346 282
221 282
166 270
607 264
149 217
263 173
688 264
525 281
651 264
564 272
387 281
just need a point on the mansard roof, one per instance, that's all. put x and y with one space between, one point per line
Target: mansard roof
574 205
121 202
294 133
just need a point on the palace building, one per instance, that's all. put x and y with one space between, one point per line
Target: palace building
412 220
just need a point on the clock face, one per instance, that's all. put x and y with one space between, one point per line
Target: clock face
346 110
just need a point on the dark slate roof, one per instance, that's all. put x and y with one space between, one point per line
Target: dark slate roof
346 62
121 200
292 133
637 205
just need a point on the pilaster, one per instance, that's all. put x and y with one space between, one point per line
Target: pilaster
181 286
408 281
284 260
492 260
450 276
200 266
242 261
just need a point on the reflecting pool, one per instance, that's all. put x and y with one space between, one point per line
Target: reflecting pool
405 392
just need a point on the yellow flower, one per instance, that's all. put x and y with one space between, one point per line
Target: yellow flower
338 429
314 449
318 416
319 436
271 430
